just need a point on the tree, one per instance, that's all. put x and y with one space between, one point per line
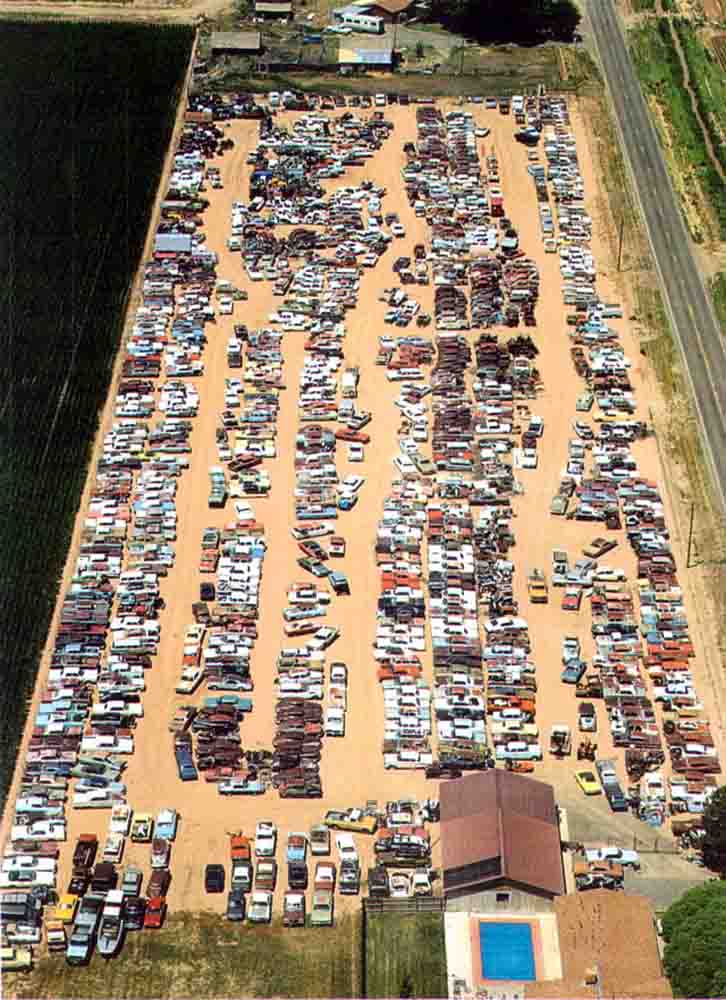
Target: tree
694 928
714 825
419 50
523 22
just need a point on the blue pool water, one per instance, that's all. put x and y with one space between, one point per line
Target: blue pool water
507 952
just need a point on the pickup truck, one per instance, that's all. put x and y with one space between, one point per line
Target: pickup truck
82 939
84 853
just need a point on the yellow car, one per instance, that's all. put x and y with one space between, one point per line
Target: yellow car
588 782
142 828
65 909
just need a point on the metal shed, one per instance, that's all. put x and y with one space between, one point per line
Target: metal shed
235 43
173 243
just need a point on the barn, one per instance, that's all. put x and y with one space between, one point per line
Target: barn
500 841
390 10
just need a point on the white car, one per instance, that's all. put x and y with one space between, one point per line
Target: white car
44 829
338 674
259 910
355 452
398 230
113 849
421 883
243 511
18 862
346 847
399 886
191 678
120 822
265 839
334 722
351 484
22 877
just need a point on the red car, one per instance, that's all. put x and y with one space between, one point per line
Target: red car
155 912
571 599
313 550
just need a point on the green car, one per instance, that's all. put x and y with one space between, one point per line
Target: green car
322 911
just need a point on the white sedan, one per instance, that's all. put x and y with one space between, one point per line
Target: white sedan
399 886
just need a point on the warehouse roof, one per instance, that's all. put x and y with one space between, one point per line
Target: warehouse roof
501 815
173 243
243 41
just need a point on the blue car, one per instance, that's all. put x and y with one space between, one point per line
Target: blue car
573 671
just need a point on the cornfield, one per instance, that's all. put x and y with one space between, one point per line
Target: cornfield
86 114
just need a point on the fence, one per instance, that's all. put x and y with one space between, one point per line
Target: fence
421 904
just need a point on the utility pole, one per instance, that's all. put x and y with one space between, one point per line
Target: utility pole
690 535
620 242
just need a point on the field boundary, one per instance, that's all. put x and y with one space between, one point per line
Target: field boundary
132 297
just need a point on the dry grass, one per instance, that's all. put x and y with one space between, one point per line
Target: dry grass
202 955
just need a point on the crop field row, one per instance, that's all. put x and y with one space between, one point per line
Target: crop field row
86 112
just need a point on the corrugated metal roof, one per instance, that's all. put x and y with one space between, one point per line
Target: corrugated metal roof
498 814
365 55
242 40
173 243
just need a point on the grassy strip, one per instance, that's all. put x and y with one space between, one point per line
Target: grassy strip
709 84
661 75
642 6
202 955
405 955
718 294
86 113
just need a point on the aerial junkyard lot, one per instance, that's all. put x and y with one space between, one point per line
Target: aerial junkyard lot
327 572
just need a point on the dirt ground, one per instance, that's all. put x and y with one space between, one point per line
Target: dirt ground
352 767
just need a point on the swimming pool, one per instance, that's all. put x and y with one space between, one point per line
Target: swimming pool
507 951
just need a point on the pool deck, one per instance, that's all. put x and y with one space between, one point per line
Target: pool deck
463 951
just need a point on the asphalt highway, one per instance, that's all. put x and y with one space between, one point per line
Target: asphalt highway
693 321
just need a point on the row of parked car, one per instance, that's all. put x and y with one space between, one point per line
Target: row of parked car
642 650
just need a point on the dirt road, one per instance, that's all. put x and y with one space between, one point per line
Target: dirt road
168 13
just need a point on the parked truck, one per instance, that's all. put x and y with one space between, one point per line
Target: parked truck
351 377
80 945
611 785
